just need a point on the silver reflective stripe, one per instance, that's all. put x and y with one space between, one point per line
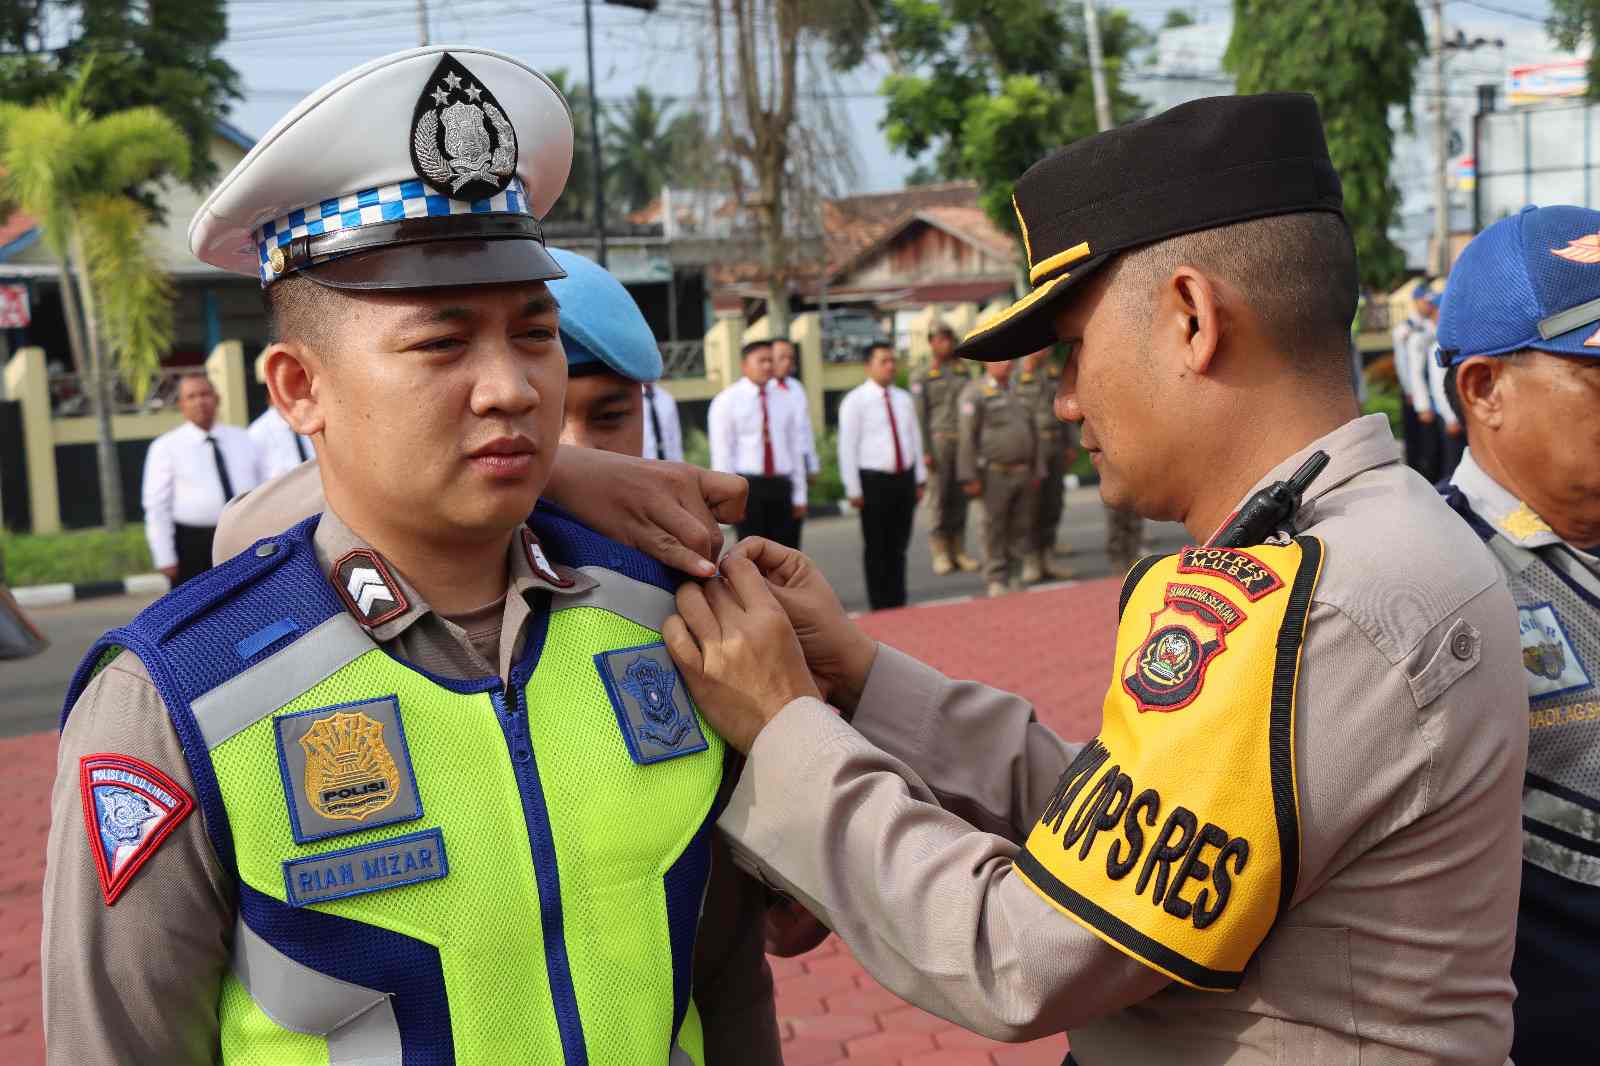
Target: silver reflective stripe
1569 320
246 698
358 1021
635 600
1570 818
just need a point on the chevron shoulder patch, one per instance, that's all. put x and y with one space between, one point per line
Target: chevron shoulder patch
368 589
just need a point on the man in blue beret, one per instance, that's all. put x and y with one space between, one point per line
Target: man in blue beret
1520 334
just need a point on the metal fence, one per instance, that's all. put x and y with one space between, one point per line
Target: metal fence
683 359
69 393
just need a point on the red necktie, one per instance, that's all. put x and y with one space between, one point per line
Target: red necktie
768 467
894 432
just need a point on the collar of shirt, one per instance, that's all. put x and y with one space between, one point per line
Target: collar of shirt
1498 506
333 539
191 432
1361 444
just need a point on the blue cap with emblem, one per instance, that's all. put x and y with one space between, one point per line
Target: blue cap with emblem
427 168
601 325
1529 281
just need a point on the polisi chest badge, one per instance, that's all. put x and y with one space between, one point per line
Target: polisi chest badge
462 143
653 710
346 768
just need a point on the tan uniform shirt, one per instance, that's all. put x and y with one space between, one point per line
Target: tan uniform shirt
1038 389
937 394
139 982
997 427
899 829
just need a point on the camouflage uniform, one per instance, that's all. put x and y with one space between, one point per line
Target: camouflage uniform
999 447
936 392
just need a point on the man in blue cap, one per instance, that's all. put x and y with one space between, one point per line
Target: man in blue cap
1520 334
1413 349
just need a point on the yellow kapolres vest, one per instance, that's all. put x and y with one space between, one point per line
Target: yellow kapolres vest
1174 835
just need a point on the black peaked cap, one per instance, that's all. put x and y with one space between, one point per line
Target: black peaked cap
1200 165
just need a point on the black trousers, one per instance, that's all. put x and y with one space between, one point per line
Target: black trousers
769 511
194 551
888 503
1422 442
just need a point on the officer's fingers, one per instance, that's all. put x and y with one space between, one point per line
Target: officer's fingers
697 613
725 494
776 562
723 603
685 536
682 647
748 585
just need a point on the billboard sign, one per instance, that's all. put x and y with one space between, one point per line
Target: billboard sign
1535 83
14 306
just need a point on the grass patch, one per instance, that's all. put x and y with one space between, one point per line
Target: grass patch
75 557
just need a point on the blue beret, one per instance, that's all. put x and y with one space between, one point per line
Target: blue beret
600 323
1529 281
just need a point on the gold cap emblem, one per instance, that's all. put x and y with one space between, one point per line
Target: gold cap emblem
276 259
349 771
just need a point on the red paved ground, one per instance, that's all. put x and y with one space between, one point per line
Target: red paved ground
1052 647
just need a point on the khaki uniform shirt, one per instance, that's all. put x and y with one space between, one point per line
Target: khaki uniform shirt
1038 390
139 982
998 426
937 394
899 828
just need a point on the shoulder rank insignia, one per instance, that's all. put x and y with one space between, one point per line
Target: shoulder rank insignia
129 808
346 768
653 709
462 144
363 582
1166 671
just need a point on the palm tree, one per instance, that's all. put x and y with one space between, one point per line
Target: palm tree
74 173
638 149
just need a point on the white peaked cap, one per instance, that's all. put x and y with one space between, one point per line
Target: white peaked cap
443 152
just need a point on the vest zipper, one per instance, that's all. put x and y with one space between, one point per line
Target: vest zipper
508 706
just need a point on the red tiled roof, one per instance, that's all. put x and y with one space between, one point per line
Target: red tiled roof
15 225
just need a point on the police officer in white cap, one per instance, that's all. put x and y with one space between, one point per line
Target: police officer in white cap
413 780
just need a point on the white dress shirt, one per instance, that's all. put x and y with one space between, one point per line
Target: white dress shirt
665 408
276 444
181 485
865 441
734 423
791 391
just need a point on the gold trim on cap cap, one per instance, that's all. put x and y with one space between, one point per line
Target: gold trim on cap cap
1060 259
1022 223
999 317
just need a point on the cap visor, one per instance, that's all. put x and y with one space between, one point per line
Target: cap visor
1029 324
439 264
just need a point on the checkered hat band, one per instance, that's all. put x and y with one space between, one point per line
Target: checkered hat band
385 203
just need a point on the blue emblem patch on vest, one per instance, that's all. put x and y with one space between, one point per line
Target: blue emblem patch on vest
365 868
653 709
346 768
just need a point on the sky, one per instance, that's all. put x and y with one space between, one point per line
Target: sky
284 49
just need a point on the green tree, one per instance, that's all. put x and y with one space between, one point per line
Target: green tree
983 90
146 54
73 171
1571 23
576 203
1359 61
1177 18
638 149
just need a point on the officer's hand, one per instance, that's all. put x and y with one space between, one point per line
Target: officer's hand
1425 417
839 654
927 461
737 651
1453 429
858 502
171 572
972 488
791 929
799 510
667 510
919 493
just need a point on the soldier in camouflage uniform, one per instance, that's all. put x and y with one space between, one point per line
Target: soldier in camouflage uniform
999 459
936 392
1036 383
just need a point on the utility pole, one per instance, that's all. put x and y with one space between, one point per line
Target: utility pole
1097 68
1124 529
422 22
1441 148
596 167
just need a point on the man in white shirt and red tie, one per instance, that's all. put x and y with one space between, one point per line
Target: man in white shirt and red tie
189 474
663 435
787 388
880 460
757 435
281 449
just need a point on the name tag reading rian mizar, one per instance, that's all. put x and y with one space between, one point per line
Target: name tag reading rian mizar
367 868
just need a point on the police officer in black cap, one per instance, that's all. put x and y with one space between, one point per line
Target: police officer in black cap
1296 838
